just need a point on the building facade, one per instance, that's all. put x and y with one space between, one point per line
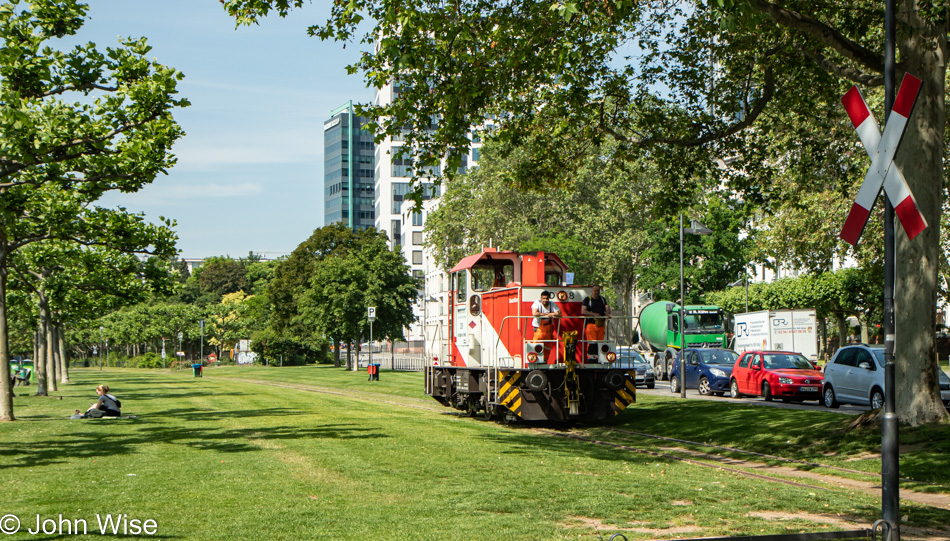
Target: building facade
348 170
404 224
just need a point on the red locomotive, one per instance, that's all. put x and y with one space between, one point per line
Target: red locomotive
488 360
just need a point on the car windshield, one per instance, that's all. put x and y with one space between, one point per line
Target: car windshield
786 360
719 356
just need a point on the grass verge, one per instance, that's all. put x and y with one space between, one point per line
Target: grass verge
222 458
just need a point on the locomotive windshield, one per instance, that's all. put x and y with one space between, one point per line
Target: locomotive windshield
488 275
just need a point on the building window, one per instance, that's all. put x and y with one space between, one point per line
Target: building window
416 258
397 232
417 218
417 238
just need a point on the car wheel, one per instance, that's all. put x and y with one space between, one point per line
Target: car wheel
651 385
734 389
704 386
829 397
674 384
658 368
766 391
877 399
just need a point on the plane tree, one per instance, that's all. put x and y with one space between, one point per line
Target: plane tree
738 71
77 122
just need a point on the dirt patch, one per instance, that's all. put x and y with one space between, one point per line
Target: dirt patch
638 527
841 522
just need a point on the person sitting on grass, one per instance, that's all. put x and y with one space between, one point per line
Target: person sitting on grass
107 405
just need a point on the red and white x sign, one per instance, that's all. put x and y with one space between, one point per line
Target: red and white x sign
883 171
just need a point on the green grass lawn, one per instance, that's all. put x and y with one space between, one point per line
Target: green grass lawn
223 458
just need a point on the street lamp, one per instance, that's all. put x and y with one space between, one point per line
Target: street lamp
100 348
695 228
201 347
744 280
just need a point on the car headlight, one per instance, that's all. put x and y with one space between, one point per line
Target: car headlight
717 372
650 371
785 381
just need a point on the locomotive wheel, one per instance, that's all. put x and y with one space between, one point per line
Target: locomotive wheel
489 412
471 408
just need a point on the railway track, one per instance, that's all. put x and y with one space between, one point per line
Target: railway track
790 474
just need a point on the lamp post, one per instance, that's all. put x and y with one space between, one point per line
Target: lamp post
100 348
201 347
744 280
696 228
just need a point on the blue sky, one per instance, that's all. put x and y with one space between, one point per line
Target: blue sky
250 169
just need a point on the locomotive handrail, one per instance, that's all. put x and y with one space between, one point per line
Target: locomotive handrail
437 339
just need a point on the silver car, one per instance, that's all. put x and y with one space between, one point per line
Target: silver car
631 358
855 375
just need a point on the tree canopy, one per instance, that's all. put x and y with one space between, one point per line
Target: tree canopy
690 84
58 157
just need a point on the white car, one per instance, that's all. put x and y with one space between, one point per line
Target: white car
855 375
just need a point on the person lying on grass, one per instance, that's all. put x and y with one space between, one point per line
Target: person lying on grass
107 406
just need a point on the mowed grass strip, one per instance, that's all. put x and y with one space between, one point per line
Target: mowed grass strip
218 458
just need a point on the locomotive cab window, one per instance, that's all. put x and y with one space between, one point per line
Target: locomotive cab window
461 289
488 276
553 277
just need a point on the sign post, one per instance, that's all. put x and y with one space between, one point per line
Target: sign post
371 317
885 173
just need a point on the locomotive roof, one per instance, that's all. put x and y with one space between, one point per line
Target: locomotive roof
492 254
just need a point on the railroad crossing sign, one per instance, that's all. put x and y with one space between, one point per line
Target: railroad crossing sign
883 171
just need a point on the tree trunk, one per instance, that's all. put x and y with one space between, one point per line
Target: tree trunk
864 330
50 353
336 352
923 52
843 330
63 362
822 338
6 387
39 364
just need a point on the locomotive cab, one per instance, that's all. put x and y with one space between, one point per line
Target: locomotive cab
491 361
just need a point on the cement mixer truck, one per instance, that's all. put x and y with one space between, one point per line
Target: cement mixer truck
659 332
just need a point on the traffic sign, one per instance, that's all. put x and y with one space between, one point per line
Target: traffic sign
883 171
371 313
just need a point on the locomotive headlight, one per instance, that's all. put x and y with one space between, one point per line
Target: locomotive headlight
611 357
604 348
538 348
532 357
785 381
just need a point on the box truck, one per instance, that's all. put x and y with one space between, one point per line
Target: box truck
784 330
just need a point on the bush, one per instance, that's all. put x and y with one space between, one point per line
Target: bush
149 360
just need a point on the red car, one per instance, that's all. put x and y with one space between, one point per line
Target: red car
778 374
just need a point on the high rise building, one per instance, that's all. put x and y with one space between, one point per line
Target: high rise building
348 170
403 224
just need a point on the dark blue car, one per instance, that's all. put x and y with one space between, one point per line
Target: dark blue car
707 370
